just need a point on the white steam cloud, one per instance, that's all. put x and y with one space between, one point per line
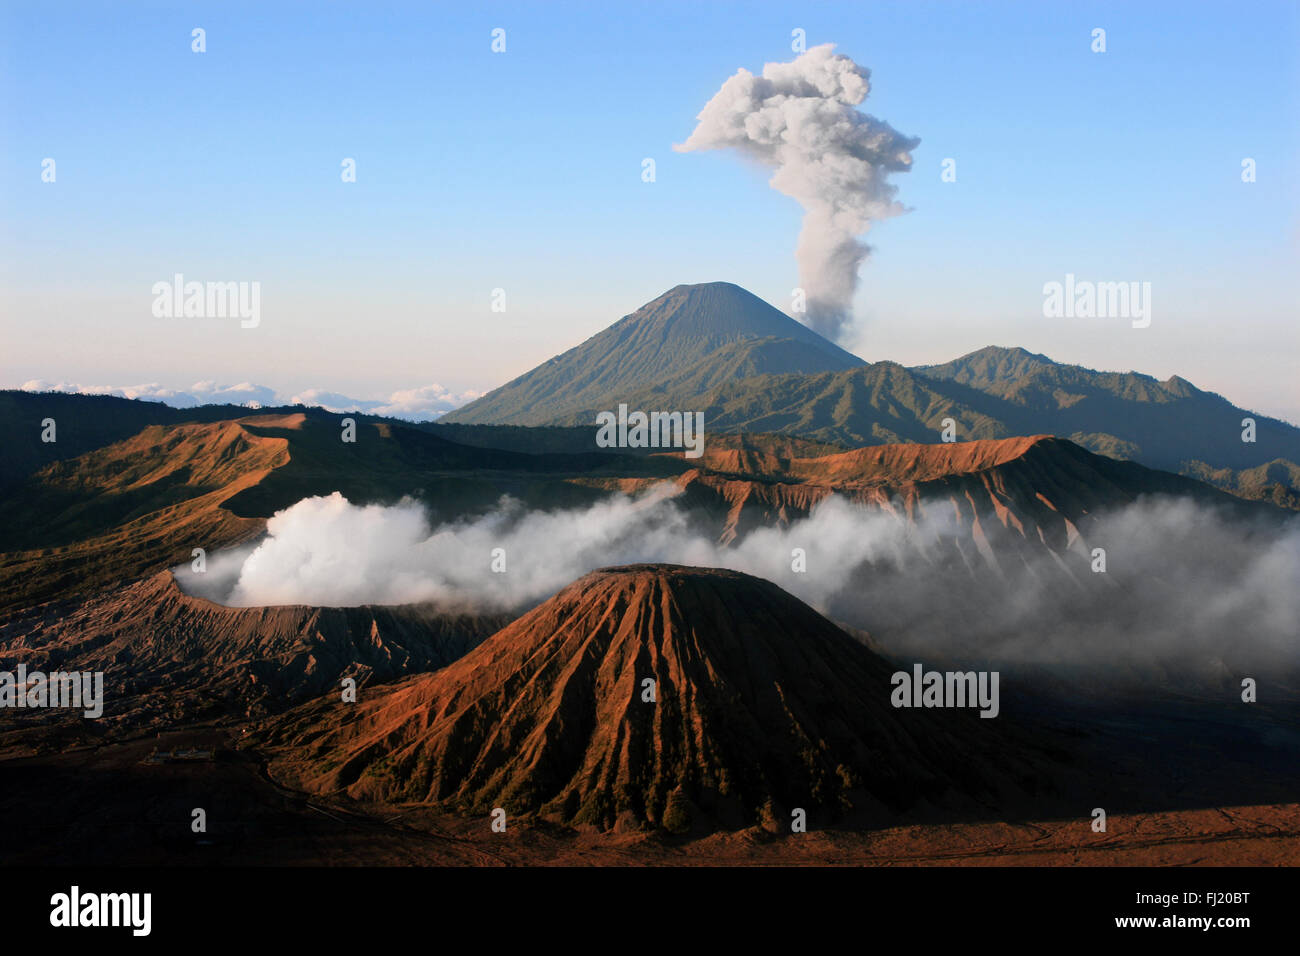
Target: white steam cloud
1187 590
325 551
799 119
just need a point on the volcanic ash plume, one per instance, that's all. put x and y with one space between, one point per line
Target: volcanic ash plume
799 119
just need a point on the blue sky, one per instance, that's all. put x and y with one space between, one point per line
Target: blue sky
522 170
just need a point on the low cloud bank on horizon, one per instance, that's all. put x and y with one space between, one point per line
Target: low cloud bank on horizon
425 403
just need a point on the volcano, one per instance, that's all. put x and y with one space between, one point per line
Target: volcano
704 335
760 706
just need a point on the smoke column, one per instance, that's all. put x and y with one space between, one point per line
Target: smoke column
799 119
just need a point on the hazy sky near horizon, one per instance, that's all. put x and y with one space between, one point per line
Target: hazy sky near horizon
522 170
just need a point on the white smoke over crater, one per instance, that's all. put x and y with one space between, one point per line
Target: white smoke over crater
800 120
1187 590
328 552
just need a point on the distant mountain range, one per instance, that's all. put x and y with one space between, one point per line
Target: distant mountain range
720 350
